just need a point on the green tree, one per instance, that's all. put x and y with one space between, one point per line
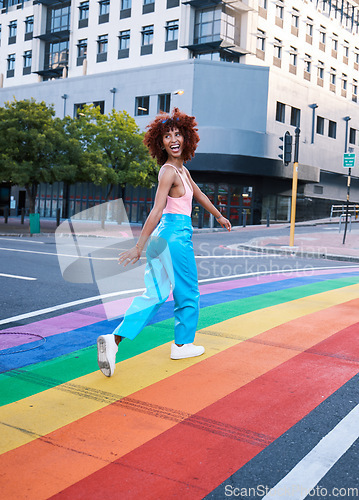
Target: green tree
115 145
34 147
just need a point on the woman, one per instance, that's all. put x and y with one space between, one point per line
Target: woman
172 140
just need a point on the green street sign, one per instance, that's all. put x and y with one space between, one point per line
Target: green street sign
349 160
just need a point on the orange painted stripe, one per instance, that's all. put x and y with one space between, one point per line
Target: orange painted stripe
63 457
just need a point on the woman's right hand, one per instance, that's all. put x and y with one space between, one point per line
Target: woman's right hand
130 256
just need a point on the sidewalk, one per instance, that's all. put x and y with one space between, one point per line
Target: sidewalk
327 244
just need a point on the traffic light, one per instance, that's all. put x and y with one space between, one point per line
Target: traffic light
286 148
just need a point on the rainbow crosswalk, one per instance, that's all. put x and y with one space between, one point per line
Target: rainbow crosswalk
174 429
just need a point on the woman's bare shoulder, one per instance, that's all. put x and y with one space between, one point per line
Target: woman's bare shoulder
167 170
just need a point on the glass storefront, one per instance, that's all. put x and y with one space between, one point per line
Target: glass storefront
232 200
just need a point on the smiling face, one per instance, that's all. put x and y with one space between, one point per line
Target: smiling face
173 143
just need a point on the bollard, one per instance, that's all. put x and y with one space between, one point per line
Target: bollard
268 217
58 211
22 215
6 214
244 213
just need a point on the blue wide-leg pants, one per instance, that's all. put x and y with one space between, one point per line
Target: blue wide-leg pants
170 261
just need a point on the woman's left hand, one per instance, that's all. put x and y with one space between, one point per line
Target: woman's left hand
224 222
132 255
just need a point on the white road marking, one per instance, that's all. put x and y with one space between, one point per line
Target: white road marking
17 277
22 240
47 310
301 480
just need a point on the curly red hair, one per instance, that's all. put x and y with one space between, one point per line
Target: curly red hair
164 122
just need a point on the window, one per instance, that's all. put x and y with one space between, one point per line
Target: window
10 66
147 40
295 117
352 135
29 24
124 44
57 54
308 63
262 3
333 76
124 40
84 10
12 29
332 130
27 58
346 49
320 125
322 38
309 26
142 105
344 81
356 56
295 18
334 45
102 42
60 19
280 112
11 62
320 70
279 10
100 105
171 35
207 26
104 7
147 35
261 38
277 48
355 87
293 56
172 30
164 103
82 48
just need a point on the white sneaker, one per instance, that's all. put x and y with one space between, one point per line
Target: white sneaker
186 351
106 354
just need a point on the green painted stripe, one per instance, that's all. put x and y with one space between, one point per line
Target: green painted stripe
21 383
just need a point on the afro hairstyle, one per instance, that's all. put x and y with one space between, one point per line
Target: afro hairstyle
165 122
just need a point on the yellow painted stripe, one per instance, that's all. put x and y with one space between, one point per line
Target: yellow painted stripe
40 414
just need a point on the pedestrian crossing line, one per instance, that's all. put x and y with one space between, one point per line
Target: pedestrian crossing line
302 479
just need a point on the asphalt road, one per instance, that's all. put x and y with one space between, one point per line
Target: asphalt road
31 280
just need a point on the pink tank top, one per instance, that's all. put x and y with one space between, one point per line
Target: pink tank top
183 204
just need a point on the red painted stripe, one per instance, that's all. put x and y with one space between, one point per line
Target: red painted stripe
195 456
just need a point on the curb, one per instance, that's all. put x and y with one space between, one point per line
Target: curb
299 253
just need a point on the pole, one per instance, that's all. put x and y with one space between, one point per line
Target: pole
347 118
294 187
347 207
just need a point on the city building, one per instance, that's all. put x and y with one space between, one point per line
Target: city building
249 70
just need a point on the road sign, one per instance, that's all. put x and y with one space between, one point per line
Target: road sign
349 160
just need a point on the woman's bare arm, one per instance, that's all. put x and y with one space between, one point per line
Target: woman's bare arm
166 180
208 205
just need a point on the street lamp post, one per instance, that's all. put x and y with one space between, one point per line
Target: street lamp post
113 92
64 97
314 107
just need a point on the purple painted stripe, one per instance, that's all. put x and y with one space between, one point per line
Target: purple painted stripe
93 314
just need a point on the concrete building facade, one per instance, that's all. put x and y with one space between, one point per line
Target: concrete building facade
248 70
